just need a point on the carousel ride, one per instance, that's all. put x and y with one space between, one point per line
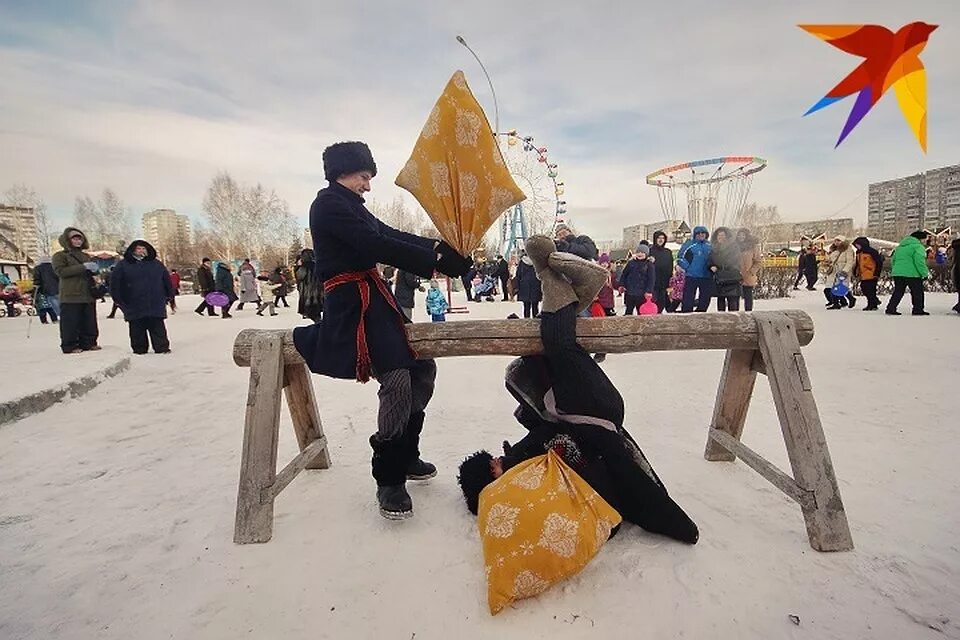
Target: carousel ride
712 192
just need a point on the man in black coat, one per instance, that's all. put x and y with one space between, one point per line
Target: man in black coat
206 285
47 284
502 273
568 241
807 268
407 284
663 262
141 287
362 332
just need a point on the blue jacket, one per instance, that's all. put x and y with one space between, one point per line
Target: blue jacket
694 256
141 288
436 303
638 277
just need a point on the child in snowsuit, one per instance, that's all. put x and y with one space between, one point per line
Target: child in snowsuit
568 404
638 279
675 289
436 304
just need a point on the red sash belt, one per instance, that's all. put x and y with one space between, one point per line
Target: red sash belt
363 284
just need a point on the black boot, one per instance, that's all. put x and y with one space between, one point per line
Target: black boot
389 470
416 468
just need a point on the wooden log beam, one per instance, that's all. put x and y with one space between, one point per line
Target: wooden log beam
623 334
764 467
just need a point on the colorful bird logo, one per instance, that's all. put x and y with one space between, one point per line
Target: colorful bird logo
891 59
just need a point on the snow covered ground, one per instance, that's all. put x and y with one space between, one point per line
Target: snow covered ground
116 509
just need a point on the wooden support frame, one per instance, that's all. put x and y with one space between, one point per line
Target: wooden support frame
813 484
766 343
260 484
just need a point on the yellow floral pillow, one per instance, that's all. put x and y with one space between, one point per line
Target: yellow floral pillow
456 170
540 522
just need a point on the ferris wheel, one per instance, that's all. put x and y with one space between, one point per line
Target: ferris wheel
539 179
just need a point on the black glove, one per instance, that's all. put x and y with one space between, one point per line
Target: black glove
450 262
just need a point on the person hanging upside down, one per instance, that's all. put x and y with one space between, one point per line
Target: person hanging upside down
568 404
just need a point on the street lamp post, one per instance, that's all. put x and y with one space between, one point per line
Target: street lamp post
496 107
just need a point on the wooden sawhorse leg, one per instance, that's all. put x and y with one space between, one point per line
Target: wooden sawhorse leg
814 484
260 483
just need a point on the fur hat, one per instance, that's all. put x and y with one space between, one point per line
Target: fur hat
475 474
344 158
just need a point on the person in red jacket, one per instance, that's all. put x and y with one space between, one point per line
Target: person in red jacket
175 281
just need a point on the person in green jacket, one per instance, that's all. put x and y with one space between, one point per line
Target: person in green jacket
78 310
909 269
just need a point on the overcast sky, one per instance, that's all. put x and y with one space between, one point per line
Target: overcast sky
153 98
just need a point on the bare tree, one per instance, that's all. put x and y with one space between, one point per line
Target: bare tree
21 195
764 222
106 223
252 221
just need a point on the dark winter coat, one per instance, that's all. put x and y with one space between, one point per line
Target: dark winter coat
45 280
955 248
528 284
663 258
638 277
224 282
347 239
310 303
404 289
503 269
141 288
205 280
75 280
582 246
807 264
727 260
610 460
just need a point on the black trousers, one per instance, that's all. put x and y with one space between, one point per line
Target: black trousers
632 303
869 289
660 297
504 280
468 287
579 384
280 298
800 275
694 287
747 297
531 309
900 286
404 395
203 305
728 303
78 325
156 328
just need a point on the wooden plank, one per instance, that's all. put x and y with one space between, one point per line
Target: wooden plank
294 467
622 334
764 467
302 404
826 520
258 461
733 400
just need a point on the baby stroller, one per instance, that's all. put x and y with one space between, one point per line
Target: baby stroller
15 303
484 288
